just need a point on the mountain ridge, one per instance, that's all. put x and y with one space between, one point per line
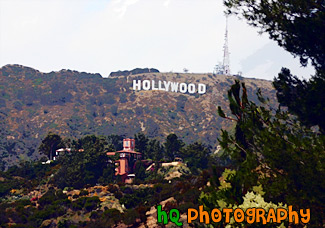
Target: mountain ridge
73 104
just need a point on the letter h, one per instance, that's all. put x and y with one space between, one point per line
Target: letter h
136 85
161 213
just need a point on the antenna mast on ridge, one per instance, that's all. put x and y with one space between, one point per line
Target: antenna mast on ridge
226 67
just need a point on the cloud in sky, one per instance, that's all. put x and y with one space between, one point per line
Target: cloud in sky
267 62
121 6
104 36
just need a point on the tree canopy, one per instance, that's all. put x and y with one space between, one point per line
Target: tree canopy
173 146
141 143
298 27
272 152
49 144
196 156
88 167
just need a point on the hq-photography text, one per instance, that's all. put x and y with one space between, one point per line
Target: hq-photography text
169 86
250 215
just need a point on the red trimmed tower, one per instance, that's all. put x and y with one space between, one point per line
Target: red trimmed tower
127 156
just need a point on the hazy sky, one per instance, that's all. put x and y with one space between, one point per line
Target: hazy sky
100 36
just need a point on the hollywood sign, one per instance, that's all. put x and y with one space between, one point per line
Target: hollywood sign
169 86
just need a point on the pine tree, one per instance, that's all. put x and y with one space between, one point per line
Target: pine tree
272 149
172 146
50 144
298 27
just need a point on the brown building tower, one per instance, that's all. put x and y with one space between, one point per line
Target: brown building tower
127 159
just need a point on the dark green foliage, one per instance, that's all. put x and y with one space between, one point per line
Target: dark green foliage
293 154
274 150
23 202
30 170
3 217
111 217
63 224
91 203
130 217
140 171
116 141
298 27
83 193
52 204
108 175
7 185
137 197
86 203
87 167
173 146
184 207
89 141
52 197
134 71
112 213
49 144
196 156
141 143
30 175
303 98
155 150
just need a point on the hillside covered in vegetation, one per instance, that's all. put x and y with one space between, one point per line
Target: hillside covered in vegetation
74 104
268 170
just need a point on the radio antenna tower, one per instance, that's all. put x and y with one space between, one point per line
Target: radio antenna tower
226 67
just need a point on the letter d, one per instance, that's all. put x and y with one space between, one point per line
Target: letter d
202 88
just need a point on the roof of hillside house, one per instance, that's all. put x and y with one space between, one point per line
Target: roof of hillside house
123 151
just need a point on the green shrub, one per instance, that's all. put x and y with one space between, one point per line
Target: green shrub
83 192
91 203
130 217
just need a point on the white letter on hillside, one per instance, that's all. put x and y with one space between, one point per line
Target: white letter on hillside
153 85
136 84
182 87
174 86
166 84
146 84
191 88
202 88
159 86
